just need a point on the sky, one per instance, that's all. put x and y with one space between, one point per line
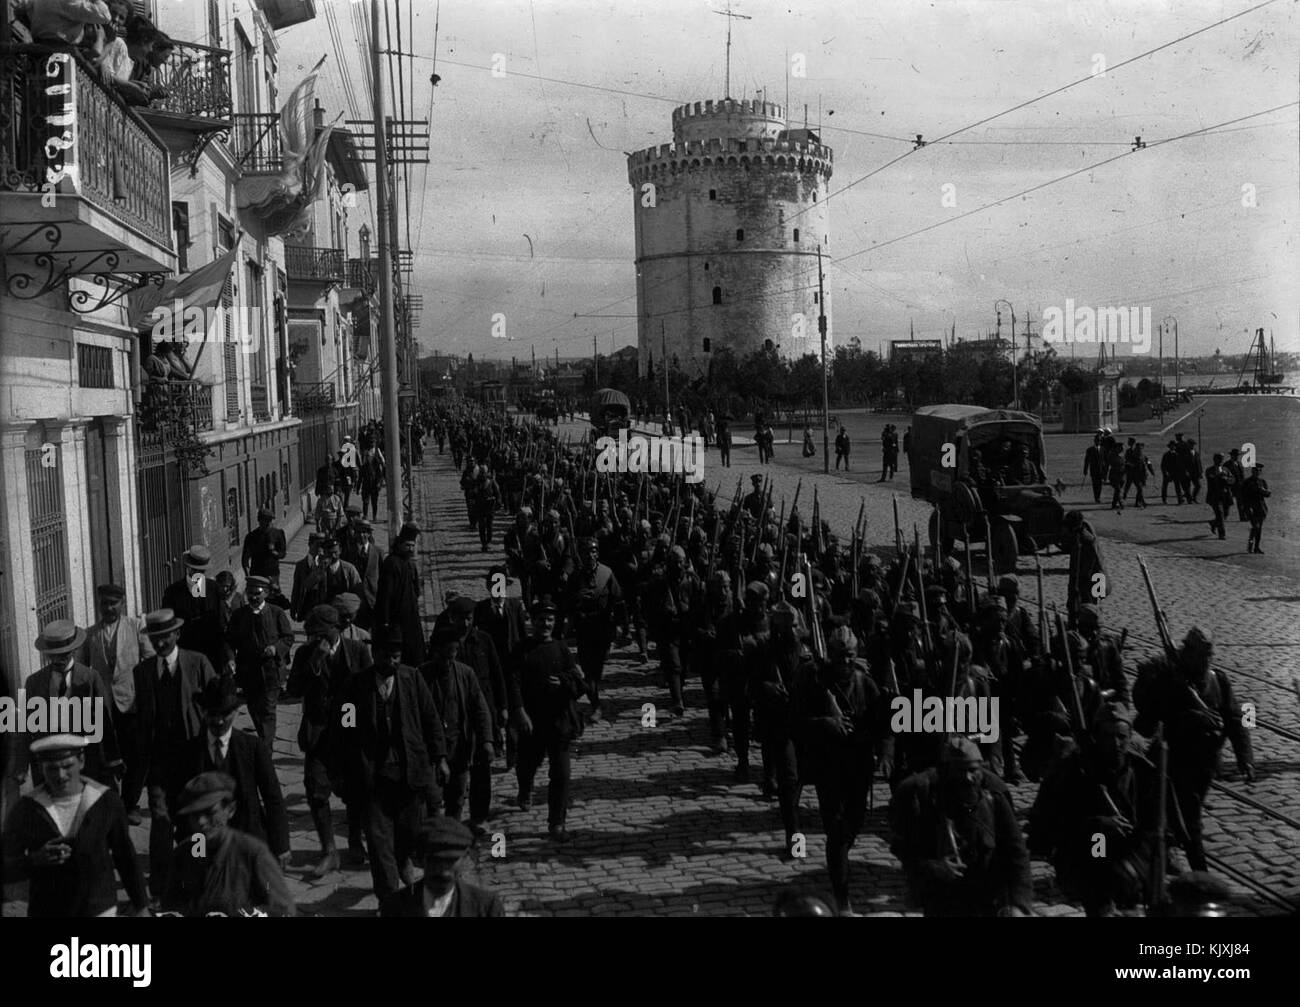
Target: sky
525 209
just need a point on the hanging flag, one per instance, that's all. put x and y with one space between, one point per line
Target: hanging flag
200 290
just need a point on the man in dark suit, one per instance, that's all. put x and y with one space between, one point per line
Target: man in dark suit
506 622
299 603
443 844
397 599
195 600
83 697
466 721
321 667
260 637
259 802
169 715
395 758
366 558
264 547
333 576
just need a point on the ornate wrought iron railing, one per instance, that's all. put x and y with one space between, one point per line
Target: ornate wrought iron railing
313 398
59 120
197 80
306 262
255 142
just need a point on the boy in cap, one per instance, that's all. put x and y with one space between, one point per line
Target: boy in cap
444 847
67 836
216 869
113 647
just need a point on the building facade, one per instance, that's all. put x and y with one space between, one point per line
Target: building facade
729 220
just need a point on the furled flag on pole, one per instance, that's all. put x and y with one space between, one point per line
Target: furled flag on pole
280 204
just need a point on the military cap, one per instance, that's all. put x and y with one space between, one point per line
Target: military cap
678 551
1198 637
765 549
1089 614
720 578
461 605
908 609
756 480
347 604
329 540
254 581
869 597
993 603
1111 713
444 838
198 557
1073 518
524 512
842 642
543 606
55 746
205 791
586 542
872 559
783 615
552 514
321 618
111 591
756 589
960 750
1008 584
315 537
936 595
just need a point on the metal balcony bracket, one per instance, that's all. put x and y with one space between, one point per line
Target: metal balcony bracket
27 286
190 158
110 288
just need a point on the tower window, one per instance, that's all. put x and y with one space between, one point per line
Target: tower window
796 235
717 295
740 234
815 296
814 197
767 344
713 193
706 267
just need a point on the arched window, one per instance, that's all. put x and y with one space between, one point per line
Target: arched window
717 295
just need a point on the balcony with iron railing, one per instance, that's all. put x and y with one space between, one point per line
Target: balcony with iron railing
261 402
195 80
310 264
359 276
85 184
169 408
317 397
254 142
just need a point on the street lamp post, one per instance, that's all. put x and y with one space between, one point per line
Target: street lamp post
1015 377
1165 322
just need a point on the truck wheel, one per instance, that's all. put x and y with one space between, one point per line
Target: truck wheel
1004 548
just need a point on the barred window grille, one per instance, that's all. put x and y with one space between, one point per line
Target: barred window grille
49 533
94 366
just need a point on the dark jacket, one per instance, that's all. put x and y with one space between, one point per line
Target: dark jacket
420 740
816 698
259 802
249 634
507 629
552 709
263 550
466 717
468 900
480 652
397 603
84 885
319 680
195 672
202 631
83 683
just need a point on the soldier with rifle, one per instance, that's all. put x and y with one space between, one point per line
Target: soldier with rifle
1097 818
842 718
786 661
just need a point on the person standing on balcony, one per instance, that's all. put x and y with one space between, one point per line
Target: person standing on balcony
65 23
128 46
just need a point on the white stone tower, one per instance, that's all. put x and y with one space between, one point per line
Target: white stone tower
729 218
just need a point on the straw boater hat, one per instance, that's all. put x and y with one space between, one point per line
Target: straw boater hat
161 622
62 636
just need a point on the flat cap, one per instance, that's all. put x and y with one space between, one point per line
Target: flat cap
205 791
255 581
347 604
443 635
461 605
321 618
1009 584
111 591
444 838
756 589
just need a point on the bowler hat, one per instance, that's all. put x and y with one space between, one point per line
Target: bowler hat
461 605
220 696
205 791
444 838
162 621
388 638
62 636
198 557
443 635
408 532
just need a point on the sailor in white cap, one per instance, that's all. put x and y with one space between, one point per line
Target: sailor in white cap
68 835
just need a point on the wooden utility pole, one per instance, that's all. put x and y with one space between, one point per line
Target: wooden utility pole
821 328
663 350
388 330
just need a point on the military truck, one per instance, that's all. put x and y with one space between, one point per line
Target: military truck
975 464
